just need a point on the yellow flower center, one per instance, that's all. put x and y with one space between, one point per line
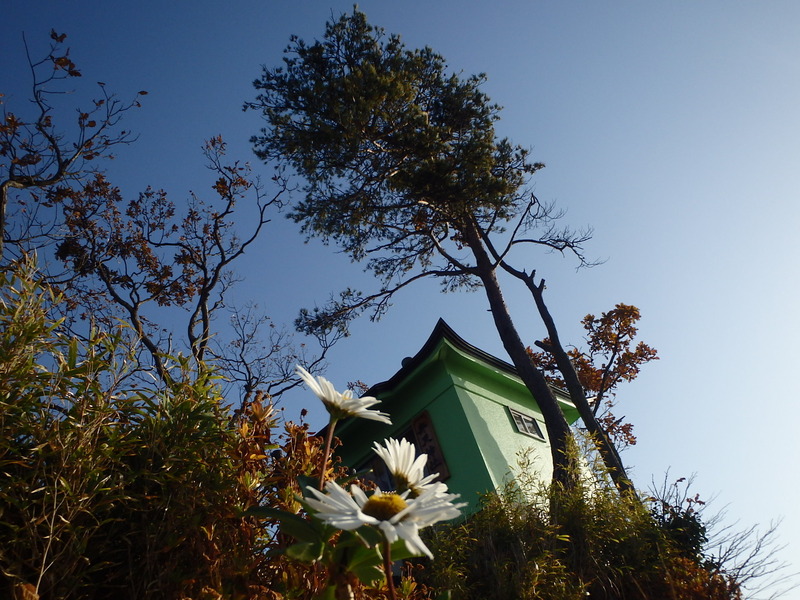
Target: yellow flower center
383 506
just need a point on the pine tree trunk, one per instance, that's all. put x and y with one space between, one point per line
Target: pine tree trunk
558 430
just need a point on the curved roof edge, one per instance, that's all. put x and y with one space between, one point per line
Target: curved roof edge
442 331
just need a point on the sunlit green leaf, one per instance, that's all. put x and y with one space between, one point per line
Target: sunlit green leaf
306 551
291 524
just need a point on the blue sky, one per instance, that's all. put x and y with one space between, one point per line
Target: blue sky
671 128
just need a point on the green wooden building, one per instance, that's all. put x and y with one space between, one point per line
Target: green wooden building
468 410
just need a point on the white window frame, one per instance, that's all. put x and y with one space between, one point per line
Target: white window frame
526 424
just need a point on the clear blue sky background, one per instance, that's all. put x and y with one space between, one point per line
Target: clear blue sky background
672 128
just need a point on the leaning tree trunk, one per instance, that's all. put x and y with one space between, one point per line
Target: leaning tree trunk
558 430
608 452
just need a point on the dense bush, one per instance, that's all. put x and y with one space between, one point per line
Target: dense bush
600 546
114 489
108 489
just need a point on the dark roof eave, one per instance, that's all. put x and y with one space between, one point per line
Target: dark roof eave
443 331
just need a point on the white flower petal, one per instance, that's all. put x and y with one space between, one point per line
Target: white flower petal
310 381
338 508
409 532
348 522
344 510
341 405
432 506
407 469
359 495
389 530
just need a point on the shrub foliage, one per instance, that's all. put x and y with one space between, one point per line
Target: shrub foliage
112 490
602 545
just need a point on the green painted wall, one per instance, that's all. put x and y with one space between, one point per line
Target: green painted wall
468 402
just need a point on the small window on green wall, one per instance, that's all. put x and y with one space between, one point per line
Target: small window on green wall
526 424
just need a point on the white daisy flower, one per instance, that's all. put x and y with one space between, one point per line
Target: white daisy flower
342 404
407 469
394 514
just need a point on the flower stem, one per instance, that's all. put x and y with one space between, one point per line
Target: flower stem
328 442
387 567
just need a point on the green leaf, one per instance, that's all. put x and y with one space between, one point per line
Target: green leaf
306 551
365 563
305 481
291 524
401 552
369 535
72 355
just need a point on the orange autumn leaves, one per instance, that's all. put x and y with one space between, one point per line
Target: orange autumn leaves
611 356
